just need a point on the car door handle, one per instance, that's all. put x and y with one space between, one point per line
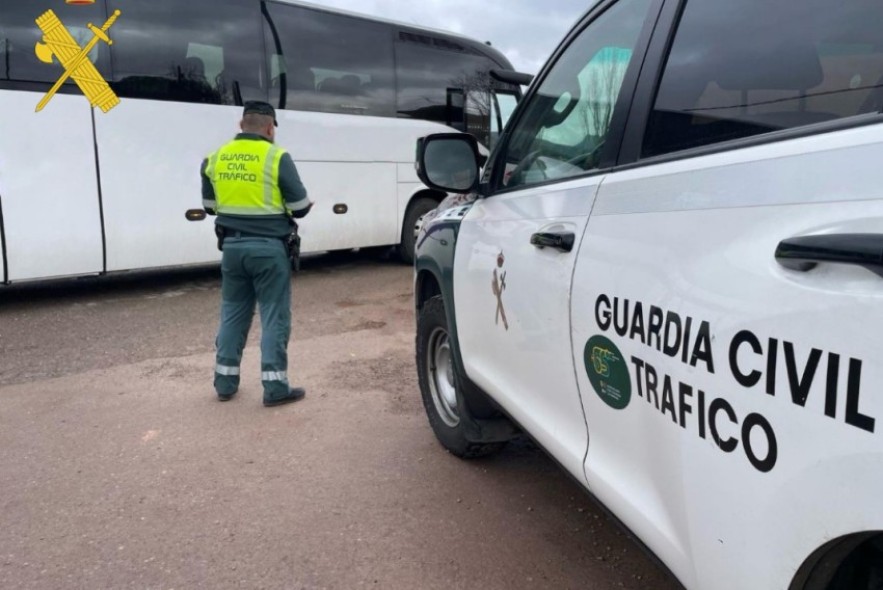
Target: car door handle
562 241
805 252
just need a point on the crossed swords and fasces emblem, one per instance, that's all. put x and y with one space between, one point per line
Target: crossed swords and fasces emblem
498 285
59 43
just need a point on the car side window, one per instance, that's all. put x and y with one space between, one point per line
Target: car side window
737 69
562 130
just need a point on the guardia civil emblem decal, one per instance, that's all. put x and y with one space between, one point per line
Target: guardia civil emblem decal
58 44
608 372
498 286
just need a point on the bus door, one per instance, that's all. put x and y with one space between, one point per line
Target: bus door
182 71
482 112
48 180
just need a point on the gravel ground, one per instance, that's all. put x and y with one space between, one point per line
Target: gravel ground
118 469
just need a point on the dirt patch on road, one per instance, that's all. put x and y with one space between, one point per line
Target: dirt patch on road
368 325
393 374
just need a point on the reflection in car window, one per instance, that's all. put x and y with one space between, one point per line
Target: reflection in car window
204 51
563 129
802 63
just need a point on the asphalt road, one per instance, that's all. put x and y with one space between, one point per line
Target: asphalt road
119 469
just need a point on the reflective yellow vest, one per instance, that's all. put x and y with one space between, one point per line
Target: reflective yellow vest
245 176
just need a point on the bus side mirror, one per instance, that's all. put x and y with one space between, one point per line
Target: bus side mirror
449 162
512 77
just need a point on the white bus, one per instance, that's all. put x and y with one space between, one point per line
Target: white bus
85 192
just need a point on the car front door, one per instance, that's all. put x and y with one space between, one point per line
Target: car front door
728 368
516 249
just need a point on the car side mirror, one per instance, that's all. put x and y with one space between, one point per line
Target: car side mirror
449 162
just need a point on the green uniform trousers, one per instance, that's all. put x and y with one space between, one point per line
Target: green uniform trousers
254 270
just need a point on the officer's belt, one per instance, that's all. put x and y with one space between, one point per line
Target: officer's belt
235 233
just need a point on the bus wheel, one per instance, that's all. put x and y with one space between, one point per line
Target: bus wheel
418 209
439 384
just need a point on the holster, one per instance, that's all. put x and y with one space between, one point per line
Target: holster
219 232
293 245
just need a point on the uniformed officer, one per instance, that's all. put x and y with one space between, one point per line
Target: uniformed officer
253 186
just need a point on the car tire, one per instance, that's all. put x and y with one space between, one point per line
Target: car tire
418 208
862 569
441 385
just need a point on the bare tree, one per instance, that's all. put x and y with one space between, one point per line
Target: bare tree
601 89
478 93
478 87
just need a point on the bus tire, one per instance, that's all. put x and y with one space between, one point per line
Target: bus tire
439 384
418 208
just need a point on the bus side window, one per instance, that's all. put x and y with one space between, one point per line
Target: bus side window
5 54
19 34
188 52
329 63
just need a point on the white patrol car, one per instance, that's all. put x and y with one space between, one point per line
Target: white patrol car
670 275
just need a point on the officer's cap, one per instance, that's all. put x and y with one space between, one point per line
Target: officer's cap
256 107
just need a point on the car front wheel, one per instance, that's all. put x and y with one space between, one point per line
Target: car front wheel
440 384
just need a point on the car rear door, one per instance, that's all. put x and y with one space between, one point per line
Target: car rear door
516 249
728 367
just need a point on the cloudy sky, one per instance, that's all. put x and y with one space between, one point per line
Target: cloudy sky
526 31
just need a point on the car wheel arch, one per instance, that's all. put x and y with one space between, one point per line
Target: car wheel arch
822 570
